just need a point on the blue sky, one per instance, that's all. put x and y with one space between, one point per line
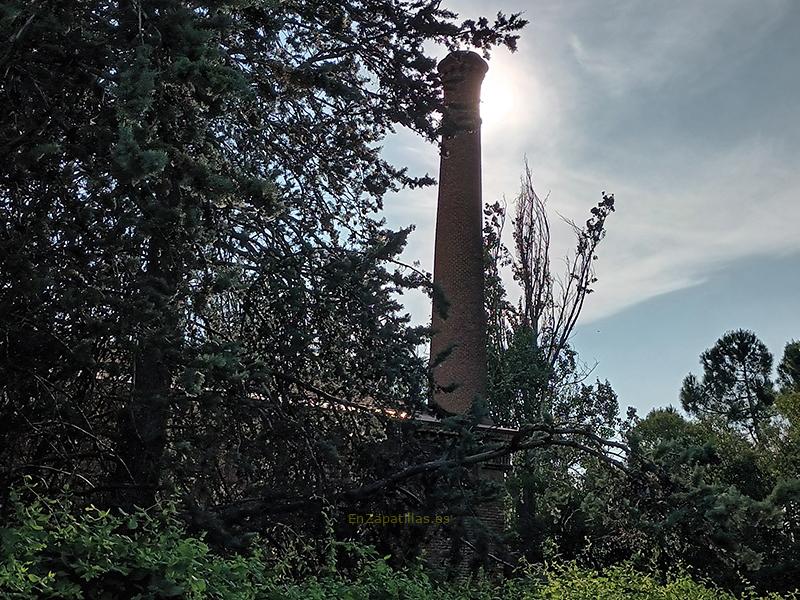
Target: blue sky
688 112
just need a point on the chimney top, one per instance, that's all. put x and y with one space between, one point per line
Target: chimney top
460 63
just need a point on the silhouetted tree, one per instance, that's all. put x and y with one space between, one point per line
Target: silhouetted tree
531 363
789 368
195 281
735 384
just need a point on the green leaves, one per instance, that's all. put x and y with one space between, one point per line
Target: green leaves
136 164
49 550
196 285
137 86
52 550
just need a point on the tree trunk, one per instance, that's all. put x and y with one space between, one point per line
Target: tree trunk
142 423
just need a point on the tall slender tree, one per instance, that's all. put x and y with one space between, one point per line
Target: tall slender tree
531 362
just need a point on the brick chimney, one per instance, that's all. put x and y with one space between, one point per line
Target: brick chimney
458 261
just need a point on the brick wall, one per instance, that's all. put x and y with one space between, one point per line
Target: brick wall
474 541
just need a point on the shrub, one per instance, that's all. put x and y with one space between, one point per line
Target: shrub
49 549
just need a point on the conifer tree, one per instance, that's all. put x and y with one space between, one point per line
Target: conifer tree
193 260
736 385
789 368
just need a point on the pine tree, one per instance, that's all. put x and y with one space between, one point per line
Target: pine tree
736 385
789 368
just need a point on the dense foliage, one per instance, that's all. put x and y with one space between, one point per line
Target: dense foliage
703 492
47 552
716 488
193 268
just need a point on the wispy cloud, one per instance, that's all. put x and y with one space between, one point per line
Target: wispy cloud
667 236
649 45
656 103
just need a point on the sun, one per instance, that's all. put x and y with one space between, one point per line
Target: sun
498 98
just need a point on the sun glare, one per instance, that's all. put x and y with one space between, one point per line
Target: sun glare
498 98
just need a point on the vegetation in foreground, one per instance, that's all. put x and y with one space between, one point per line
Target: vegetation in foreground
49 552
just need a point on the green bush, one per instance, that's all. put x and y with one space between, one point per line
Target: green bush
50 550
570 582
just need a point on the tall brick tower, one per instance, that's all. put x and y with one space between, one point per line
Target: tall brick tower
460 334
458 261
